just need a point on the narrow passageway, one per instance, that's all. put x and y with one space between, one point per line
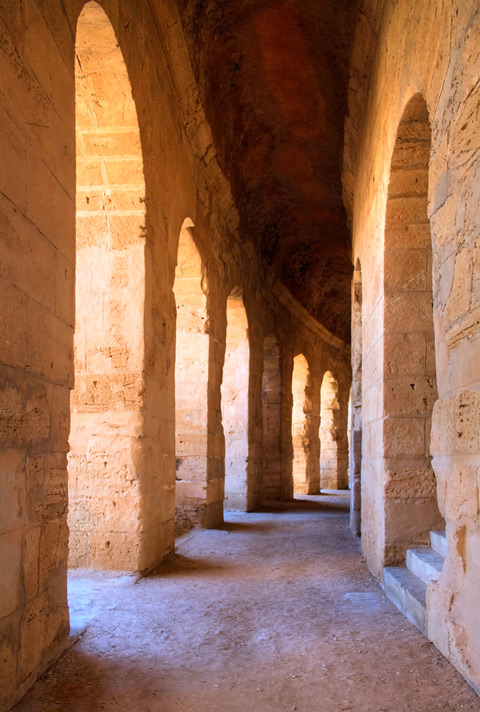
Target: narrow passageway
274 611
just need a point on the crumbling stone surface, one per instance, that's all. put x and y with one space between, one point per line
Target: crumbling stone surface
333 435
355 445
236 407
105 507
191 384
272 420
302 390
392 174
145 168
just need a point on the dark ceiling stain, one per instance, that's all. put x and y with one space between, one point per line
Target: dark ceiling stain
273 80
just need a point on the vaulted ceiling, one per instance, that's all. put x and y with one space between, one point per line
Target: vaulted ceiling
273 80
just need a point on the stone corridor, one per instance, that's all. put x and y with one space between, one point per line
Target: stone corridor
273 611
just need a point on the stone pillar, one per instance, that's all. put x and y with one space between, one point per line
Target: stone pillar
107 425
286 371
272 414
409 369
305 424
235 404
333 434
191 383
356 405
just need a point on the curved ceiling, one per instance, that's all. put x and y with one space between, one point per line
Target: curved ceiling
273 79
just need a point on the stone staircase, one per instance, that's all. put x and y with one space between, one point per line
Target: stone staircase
406 586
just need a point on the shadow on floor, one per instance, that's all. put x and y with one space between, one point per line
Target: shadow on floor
242 527
337 505
179 565
81 682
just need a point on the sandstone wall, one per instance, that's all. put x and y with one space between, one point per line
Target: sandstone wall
107 401
240 493
191 381
37 278
333 434
37 212
271 420
426 50
355 452
302 393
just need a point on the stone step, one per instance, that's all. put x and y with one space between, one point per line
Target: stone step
407 592
425 563
439 543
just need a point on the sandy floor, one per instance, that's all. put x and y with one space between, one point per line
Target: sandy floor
276 611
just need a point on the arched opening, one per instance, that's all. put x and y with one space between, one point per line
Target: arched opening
355 449
329 432
107 401
272 415
305 466
191 383
235 404
409 373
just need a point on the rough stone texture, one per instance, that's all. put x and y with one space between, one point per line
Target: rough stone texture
191 385
302 393
37 194
105 508
319 429
333 436
409 374
392 64
276 97
145 165
272 420
236 410
355 449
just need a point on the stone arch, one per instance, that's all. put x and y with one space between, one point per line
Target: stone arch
409 368
333 435
305 466
272 419
107 401
235 403
191 381
355 449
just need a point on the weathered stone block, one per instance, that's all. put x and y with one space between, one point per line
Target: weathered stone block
467 413
410 521
408 181
408 312
409 236
403 436
462 494
459 299
405 354
12 486
406 270
11 589
443 434
414 395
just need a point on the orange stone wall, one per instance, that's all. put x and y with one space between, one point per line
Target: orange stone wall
126 427
427 50
105 509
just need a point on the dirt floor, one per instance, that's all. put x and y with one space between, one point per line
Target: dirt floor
275 611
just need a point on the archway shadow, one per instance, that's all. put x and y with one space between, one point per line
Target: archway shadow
337 504
181 565
241 527
81 681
